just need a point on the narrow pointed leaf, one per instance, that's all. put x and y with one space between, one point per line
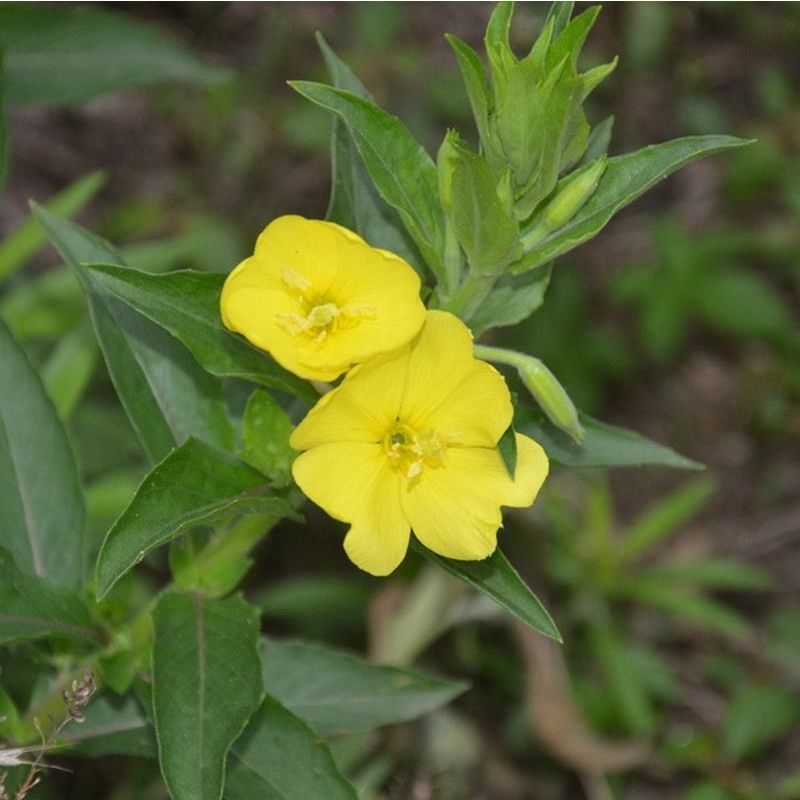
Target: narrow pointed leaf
32 607
206 684
337 692
165 393
24 241
280 758
355 202
497 578
402 171
603 445
625 178
42 514
53 57
194 484
186 303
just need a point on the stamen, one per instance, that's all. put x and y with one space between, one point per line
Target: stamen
295 280
411 452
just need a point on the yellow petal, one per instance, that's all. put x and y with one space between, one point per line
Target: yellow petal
378 538
441 357
455 510
477 411
362 409
531 470
302 264
338 477
303 245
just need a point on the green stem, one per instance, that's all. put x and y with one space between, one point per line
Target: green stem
501 356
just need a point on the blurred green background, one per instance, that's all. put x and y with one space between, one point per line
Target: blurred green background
677 597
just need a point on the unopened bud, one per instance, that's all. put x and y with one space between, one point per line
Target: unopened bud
576 191
550 395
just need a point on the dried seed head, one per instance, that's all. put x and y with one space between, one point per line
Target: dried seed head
79 695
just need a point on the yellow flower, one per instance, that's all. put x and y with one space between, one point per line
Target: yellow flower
319 299
409 441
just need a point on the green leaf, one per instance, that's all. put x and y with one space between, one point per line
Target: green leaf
42 514
402 171
628 694
194 484
166 395
602 446
336 692
22 243
32 608
47 307
186 303
486 230
112 726
559 12
740 302
625 178
599 141
686 605
206 684
477 86
513 299
711 573
280 758
68 370
756 717
355 202
665 517
67 56
497 578
266 429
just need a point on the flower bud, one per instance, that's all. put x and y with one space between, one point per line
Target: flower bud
576 191
550 395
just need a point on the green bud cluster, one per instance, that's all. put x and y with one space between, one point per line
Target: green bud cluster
529 115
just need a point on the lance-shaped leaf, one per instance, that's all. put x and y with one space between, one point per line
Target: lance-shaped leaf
355 202
206 684
280 758
32 607
625 178
54 56
186 303
165 393
337 692
42 515
402 171
497 578
194 484
24 241
603 445
485 229
474 76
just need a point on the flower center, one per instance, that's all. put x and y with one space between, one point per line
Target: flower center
410 451
318 317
